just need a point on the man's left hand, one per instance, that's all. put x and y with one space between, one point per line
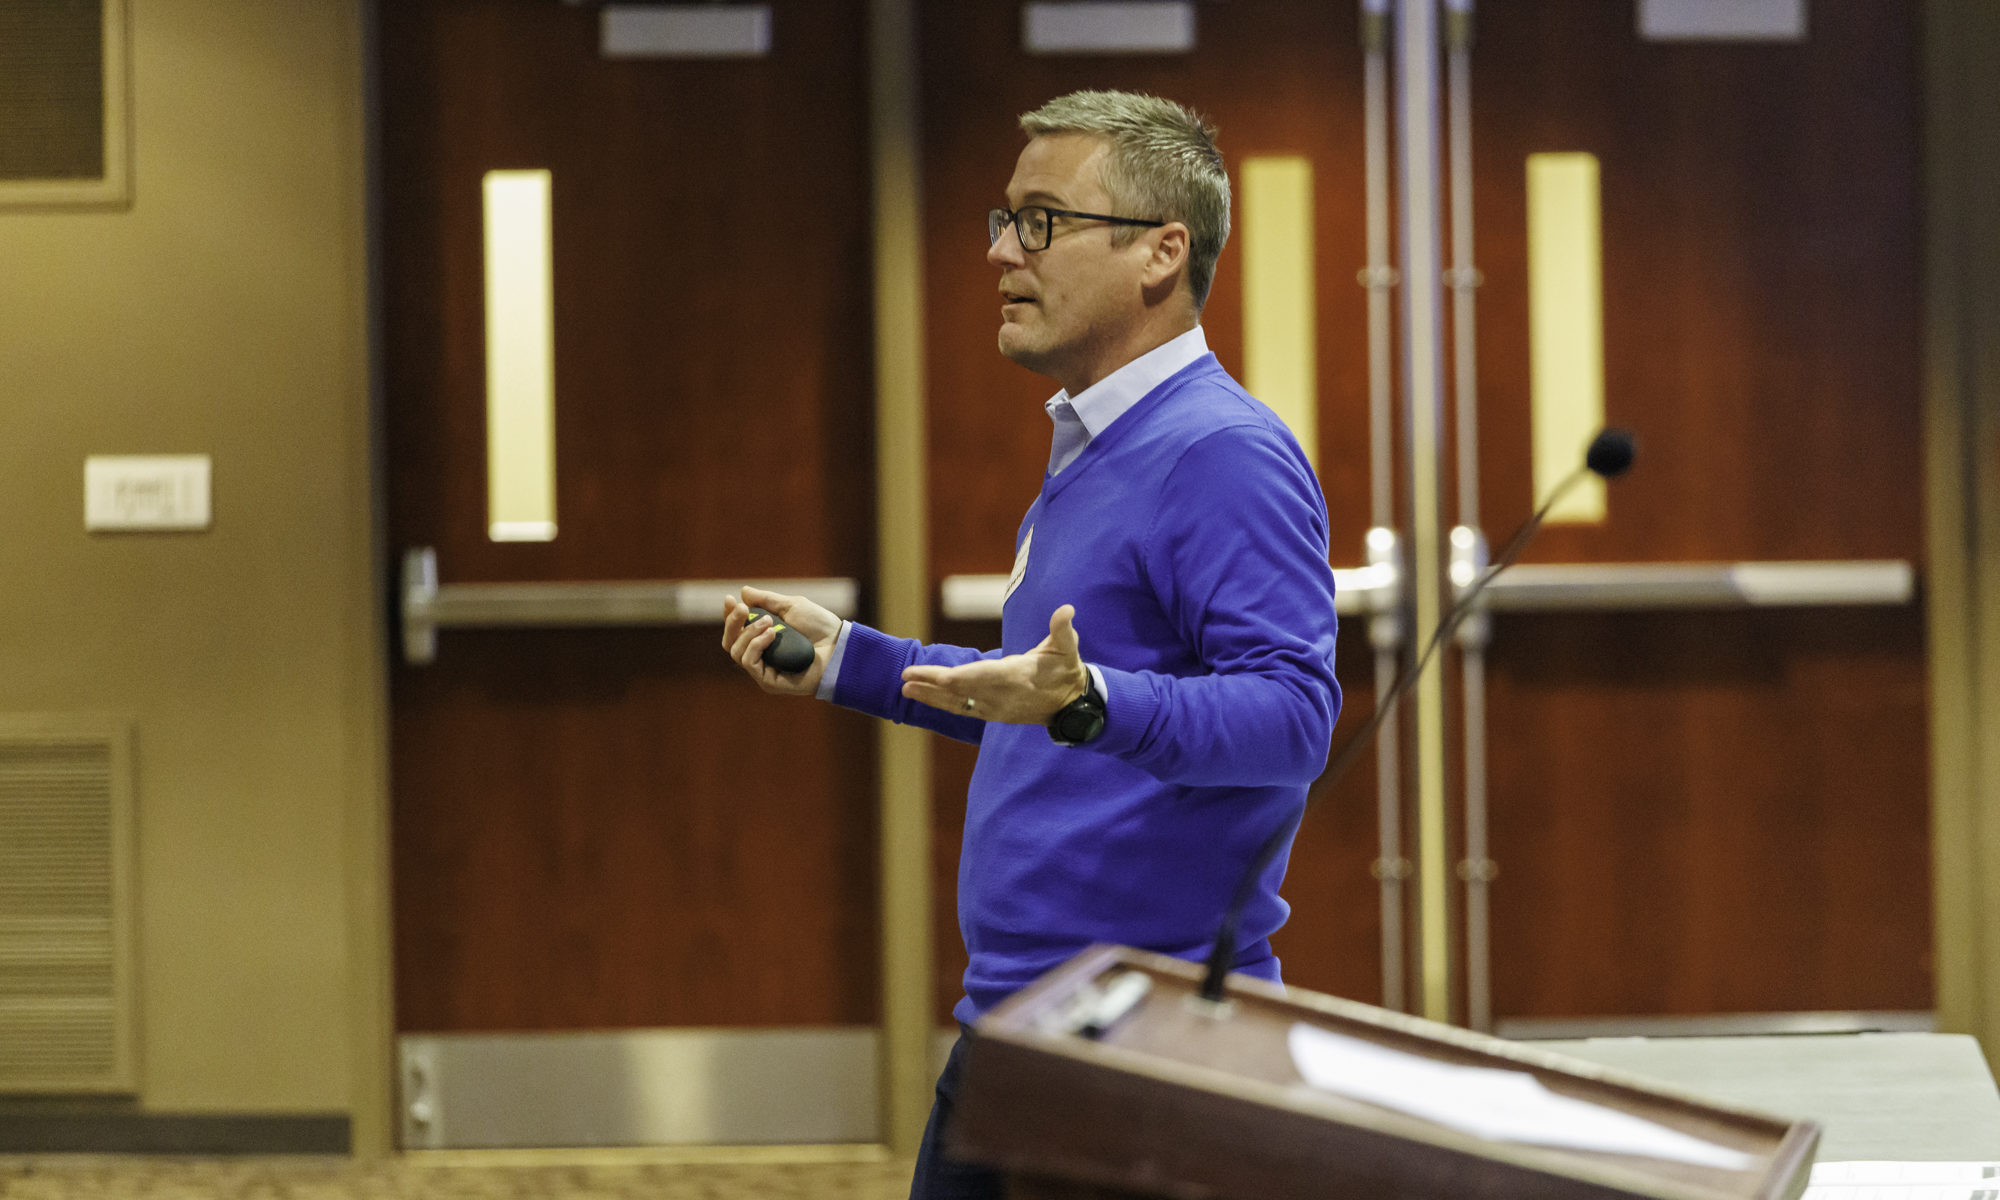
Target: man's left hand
1020 689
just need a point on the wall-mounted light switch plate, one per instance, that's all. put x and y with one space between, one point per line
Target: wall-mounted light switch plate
145 491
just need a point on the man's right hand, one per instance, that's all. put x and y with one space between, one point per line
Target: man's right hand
746 640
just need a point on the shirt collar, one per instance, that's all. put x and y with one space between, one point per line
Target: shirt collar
1103 402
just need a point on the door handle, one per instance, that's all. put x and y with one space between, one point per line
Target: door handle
428 606
1542 587
978 597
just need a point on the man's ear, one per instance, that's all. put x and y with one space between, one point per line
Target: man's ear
1169 254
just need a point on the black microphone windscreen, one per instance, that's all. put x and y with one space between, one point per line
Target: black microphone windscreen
1611 453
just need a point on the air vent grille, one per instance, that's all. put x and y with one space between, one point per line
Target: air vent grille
65 817
51 89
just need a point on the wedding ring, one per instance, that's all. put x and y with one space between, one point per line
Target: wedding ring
968 704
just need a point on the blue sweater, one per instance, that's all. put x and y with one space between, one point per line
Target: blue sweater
1191 537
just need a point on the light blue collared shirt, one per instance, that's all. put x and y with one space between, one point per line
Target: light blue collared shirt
1077 421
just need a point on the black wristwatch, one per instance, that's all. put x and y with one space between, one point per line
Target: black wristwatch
1082 719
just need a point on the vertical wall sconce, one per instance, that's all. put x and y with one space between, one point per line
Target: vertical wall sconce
520 358
1565 326
1280 317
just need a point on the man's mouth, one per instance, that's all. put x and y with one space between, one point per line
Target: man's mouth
1016 298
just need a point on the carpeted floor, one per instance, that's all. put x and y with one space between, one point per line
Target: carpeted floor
419 1177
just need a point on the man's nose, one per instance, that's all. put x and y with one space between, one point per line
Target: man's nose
1006 249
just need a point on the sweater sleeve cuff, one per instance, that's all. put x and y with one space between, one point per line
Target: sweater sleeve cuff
1130 707
871 670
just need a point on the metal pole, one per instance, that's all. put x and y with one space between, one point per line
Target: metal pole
1417 113
1385 623
1463 278
1476 869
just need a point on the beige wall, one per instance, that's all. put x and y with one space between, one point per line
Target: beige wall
1963 508
224 314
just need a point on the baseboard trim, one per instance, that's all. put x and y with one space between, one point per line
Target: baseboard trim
172 1133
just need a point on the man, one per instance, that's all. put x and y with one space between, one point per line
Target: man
1164 691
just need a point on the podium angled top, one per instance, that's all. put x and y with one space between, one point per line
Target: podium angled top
1179 1098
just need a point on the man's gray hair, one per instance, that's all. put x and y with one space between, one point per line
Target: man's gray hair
1163 166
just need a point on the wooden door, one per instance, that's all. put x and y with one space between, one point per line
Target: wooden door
1725 811
1279 77
609 829
1692 812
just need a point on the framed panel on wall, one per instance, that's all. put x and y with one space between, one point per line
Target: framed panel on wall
65 104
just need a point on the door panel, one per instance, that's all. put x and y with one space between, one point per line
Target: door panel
1714 812
610 828
1761 277
1277 77
1762 329
1692 812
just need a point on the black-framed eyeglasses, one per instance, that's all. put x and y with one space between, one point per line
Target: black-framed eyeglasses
1034 223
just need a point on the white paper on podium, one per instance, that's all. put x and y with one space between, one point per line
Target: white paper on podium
1488 1102
1904 1181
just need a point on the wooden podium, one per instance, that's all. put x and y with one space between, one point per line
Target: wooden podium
1175 1098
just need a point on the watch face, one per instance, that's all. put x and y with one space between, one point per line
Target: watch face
1081 721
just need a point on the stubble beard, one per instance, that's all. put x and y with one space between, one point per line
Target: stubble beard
1020 349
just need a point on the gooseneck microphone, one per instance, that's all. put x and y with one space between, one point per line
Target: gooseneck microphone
1609 456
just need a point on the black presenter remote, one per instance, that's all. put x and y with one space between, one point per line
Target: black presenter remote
790 652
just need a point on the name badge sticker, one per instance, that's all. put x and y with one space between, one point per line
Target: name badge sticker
1020 565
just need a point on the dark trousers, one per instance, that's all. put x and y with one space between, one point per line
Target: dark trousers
941 1178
